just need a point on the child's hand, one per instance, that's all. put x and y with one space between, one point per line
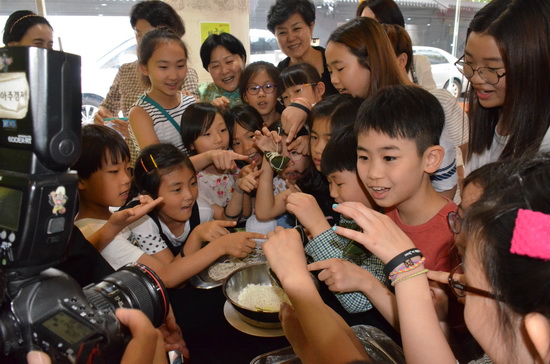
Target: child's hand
125 217
300 145
189 93
285 254
212 230
222 103
308 212
267 141
340 275
380 234
239 244
250 182
225 159
249 168
293 119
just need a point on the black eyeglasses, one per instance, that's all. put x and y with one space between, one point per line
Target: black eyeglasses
267 88
460 289
488 74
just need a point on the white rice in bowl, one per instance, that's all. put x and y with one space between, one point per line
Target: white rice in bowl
259 297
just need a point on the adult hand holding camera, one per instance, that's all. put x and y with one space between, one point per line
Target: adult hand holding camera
147 344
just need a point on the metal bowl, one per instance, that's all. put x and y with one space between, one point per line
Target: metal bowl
237 281
253 274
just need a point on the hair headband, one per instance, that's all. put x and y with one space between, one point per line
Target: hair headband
531 235
18 20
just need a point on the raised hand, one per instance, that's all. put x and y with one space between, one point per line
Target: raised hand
268 141
250 182
380 235
222 103
225 159
308 212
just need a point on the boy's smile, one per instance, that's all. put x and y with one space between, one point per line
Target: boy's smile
390 168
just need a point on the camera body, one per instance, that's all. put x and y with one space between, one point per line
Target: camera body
45 309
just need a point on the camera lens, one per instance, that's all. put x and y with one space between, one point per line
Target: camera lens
132 286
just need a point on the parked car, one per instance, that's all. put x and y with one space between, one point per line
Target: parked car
446 75
97 78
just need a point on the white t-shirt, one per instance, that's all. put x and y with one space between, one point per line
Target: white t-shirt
146 232
493 153
118 252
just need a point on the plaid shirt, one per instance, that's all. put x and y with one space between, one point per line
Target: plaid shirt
329 245
128 87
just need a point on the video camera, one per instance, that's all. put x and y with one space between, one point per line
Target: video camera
43 308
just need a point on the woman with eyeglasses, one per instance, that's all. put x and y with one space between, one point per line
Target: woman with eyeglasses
504 285
507 65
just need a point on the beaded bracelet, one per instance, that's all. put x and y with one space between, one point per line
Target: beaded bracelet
409 276
401 258
405 267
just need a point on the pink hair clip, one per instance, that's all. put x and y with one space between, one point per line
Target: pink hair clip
531 234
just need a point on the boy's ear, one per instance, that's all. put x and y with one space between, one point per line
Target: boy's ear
81 184
433 156
538 331
143 69
320 88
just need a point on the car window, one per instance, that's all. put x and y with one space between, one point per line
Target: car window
433 57
126 56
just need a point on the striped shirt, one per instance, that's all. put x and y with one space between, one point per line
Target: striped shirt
127 87
165 130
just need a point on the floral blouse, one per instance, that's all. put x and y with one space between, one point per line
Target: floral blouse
215 189
209 91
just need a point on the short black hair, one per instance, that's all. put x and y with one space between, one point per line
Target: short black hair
340 109
226 40
244 115
97 142
284 9
297 74
156 161
340 153
158 14
19 23
195 120
407 112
